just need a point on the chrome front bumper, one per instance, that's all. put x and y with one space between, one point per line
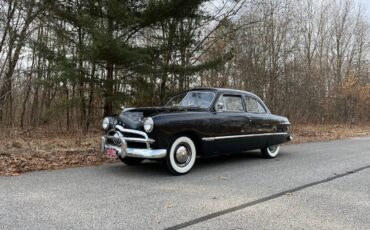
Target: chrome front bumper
124 151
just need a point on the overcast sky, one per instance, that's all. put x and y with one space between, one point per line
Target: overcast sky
366 5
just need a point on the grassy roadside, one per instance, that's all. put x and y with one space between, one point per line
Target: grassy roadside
40 150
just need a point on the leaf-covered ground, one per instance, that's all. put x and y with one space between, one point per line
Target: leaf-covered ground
20 152
40 150
312 133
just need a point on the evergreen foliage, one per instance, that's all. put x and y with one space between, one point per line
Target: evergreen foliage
114 34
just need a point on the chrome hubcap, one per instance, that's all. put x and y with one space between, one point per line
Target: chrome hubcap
272 148
182 155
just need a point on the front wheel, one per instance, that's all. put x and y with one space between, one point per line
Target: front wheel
181 156
271 151
131 160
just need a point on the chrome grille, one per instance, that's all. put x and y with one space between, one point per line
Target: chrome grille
134 136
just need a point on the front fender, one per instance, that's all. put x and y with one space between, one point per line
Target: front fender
167 126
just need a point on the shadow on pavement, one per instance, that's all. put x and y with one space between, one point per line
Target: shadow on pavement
224 162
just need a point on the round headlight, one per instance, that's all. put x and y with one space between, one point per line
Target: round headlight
105 123
148 124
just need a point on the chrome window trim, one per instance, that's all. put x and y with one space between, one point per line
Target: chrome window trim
240 136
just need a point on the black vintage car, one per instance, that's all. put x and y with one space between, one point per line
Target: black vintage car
200 122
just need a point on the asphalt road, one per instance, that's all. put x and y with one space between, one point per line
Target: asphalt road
309 186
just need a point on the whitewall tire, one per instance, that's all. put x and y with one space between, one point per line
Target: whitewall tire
271 151
181 155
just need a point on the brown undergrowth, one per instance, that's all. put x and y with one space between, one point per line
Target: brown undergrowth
327 132
39 149
42 150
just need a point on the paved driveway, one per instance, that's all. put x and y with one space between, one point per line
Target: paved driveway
322 185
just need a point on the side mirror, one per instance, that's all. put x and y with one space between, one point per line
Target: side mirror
219 106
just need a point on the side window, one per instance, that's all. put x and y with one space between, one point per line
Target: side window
232 103
261 109
253 106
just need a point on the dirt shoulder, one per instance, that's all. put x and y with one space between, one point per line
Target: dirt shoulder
313 133
40 150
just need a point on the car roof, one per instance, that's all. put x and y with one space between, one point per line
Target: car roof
228 90
224 90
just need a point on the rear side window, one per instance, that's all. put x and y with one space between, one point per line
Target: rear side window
232 103
261 109
254 106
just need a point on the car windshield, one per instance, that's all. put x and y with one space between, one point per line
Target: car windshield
200 99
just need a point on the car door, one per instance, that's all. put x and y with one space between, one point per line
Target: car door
231 124
261 123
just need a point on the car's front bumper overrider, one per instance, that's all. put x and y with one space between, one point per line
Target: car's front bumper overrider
124 151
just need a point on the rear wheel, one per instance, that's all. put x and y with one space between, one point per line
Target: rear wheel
131 160
181 156
271 151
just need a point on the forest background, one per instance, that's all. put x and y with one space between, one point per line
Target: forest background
66 64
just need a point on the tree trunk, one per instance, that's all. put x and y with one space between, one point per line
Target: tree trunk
108 103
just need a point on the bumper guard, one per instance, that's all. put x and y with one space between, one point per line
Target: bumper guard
124 151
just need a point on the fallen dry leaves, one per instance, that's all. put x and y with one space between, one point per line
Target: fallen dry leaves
326 132
43 151
222 178
40 150
168 206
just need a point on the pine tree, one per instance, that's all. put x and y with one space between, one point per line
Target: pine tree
113 38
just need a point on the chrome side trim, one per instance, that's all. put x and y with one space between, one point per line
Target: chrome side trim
208 139
241 136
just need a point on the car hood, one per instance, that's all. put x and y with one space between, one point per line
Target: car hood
133 117
152 111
